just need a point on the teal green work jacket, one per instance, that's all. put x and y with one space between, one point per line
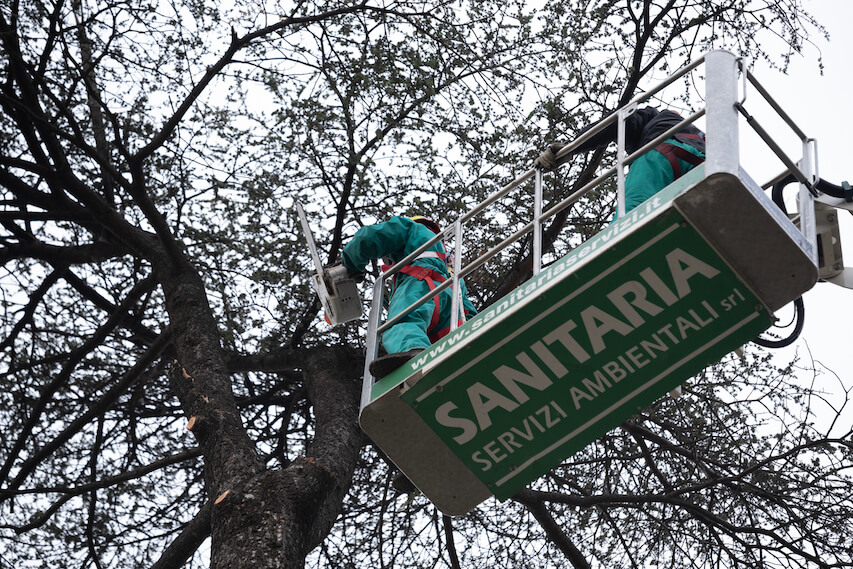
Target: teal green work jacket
394 240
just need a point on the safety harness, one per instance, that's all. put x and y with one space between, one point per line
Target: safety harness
673 152
433 278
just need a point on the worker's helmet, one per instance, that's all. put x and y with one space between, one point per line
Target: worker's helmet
433 226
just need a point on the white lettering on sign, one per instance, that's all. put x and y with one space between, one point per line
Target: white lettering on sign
484 399
626 308
637 357
610 373
508 442
525 431
468 427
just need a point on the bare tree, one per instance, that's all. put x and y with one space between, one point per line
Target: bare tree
165 375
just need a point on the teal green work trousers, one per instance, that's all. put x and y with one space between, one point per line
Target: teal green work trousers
411 331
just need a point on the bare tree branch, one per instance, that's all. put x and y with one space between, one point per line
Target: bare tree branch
535 505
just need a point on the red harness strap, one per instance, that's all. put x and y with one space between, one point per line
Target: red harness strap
673 153
445 331
431 276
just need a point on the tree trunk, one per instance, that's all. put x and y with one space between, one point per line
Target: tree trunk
278 517
260 518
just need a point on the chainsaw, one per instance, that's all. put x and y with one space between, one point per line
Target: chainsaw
337 290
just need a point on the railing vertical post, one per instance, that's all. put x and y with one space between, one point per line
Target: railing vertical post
806 207
721 115
537 222
455 289
372 347
620 160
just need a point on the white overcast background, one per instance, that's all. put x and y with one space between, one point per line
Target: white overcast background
821 107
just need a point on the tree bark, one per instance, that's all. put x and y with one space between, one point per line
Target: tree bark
260 518
276 518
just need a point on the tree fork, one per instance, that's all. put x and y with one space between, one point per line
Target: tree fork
280 516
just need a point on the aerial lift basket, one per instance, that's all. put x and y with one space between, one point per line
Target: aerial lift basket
670 287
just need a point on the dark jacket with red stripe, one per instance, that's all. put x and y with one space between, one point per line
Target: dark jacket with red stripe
642 127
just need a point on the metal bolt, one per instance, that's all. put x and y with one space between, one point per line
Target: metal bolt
830 217
439 388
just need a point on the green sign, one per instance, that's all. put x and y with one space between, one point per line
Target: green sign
580 348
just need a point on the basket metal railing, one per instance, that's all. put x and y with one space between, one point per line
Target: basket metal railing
723 104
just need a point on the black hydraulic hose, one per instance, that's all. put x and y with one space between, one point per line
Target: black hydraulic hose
843 191
800 315
776 192
799 307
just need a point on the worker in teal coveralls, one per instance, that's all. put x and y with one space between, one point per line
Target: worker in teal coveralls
394 240
657 168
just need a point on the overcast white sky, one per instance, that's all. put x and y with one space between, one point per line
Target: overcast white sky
821 106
